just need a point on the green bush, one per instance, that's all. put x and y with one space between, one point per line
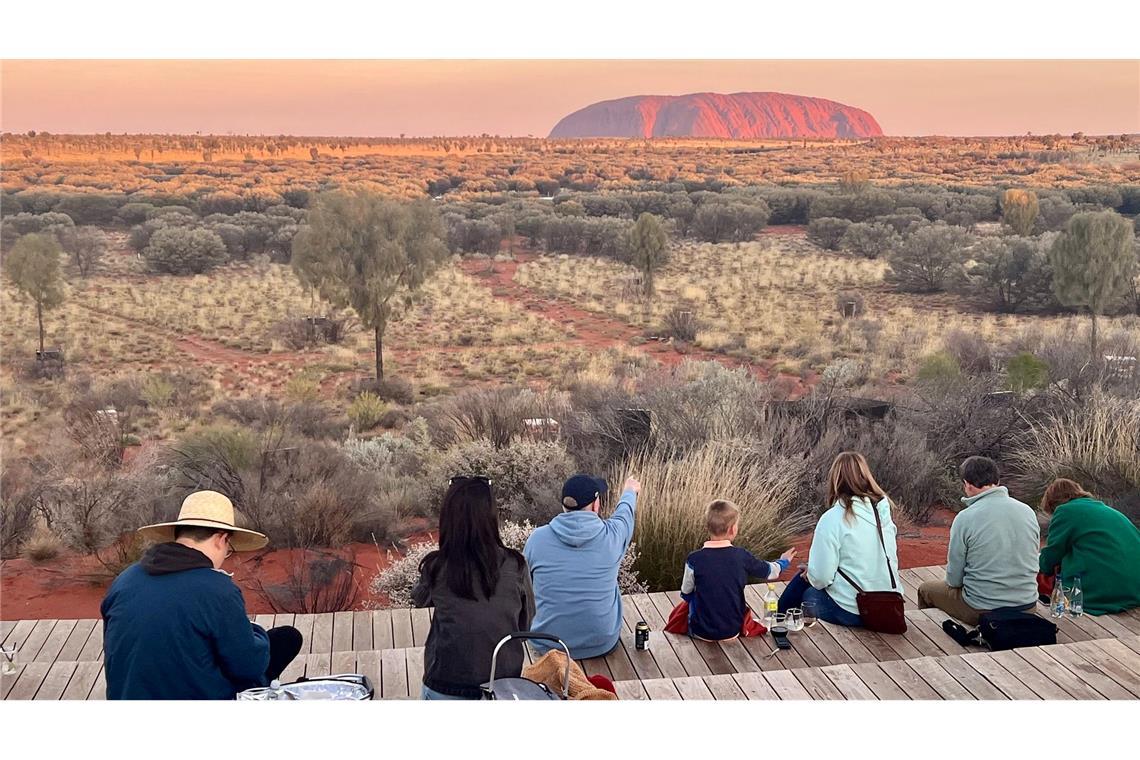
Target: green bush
366 410
1026 372
827 232
180 250
938 367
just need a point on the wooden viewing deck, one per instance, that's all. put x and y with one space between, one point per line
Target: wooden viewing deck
1095 658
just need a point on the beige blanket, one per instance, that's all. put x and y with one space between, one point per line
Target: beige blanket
550 669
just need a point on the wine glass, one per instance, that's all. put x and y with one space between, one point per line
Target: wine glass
8 659
795 619
809 612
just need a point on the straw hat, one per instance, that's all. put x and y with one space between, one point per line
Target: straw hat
207 509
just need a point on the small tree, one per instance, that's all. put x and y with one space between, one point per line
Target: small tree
870 240
370 254
648 241
827 231
32 266
183 250
929 258
84 245
1019 210
1014 270
1092 260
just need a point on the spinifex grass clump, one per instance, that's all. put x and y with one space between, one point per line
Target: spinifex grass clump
675 489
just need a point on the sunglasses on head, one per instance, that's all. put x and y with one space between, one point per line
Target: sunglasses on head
479 478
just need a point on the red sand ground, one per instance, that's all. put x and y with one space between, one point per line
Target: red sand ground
64 589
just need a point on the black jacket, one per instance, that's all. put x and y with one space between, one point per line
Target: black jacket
464 632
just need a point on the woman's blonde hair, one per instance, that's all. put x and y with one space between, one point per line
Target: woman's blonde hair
1060 491
850 476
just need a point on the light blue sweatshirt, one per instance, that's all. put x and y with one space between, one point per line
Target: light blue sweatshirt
993 550
853 544
573 565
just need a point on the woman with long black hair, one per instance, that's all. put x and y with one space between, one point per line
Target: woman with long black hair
480 590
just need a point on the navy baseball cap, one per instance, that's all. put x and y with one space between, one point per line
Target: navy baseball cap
580 491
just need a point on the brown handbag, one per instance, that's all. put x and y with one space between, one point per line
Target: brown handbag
880 611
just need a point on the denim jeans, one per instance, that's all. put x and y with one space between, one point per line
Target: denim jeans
426 693
799 591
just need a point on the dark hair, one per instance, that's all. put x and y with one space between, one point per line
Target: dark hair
980 471
1060 491
196 532
469 543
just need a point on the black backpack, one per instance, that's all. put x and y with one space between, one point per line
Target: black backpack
1005 629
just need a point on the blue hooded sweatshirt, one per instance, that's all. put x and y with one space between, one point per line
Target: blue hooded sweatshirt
176 628
573 565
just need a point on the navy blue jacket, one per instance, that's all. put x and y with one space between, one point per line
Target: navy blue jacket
176 628
713 585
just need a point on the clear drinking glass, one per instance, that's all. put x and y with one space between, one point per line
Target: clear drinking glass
795 619
809 614
8 660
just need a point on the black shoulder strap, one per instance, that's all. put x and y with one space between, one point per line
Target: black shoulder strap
883 543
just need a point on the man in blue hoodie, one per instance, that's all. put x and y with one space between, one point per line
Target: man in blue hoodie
574 564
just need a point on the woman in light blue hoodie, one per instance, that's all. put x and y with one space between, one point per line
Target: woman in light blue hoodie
847 543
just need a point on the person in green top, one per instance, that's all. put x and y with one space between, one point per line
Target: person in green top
1091 539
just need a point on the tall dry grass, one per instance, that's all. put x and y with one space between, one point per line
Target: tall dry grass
1097 444
676 489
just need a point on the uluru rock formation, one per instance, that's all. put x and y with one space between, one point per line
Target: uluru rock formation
742 115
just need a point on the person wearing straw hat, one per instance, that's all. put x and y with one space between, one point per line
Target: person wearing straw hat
175 625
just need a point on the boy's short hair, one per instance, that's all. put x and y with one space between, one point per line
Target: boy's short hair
721 516
980 471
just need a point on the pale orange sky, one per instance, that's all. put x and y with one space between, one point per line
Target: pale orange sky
520 97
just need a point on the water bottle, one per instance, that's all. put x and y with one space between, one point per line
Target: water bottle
274 692
1057 598
771 605
1076 599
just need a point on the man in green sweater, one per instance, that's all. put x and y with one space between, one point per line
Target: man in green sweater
1091 539
992 559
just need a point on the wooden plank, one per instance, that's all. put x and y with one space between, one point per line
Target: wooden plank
877 680
322 633
1133 643
318 665
265 621
900 647
284 619
644 663
931 572
999 676
1057 673
847 682
394 672
55 641
368 664
8 680
661 688
1029 675
910 582
362 630
82 680
938 679
619 664
1129 620
784 683
93 649
30 679
34 642
816 684
1112 626
692 688
1087 672
594 666
99 690
1115 670
754 686
710 652
343 662
415 671
1089 625
305 623
683 647
76 641
382 629
1120 653
739 656
6 627
421 624
827 645
804 654
56 680
631 691
921 642
933 632
849 641
19 634
294 670
875 644
341 639
724 688
661 644
402 628
971 679
908 680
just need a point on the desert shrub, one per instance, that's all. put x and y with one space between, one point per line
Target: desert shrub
133 213
1053 213
827 232
306 418
1095 443
316 581
397 580
497 415
855 207
527 476
366 410
90 208
303 387
394 389
84 246
700 401
902 219
99 418
970 351
681 324
938 367
869 240
390 453
675 489
184 251
720 219
42 546
929 259
19 499
1013 272
1025 372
